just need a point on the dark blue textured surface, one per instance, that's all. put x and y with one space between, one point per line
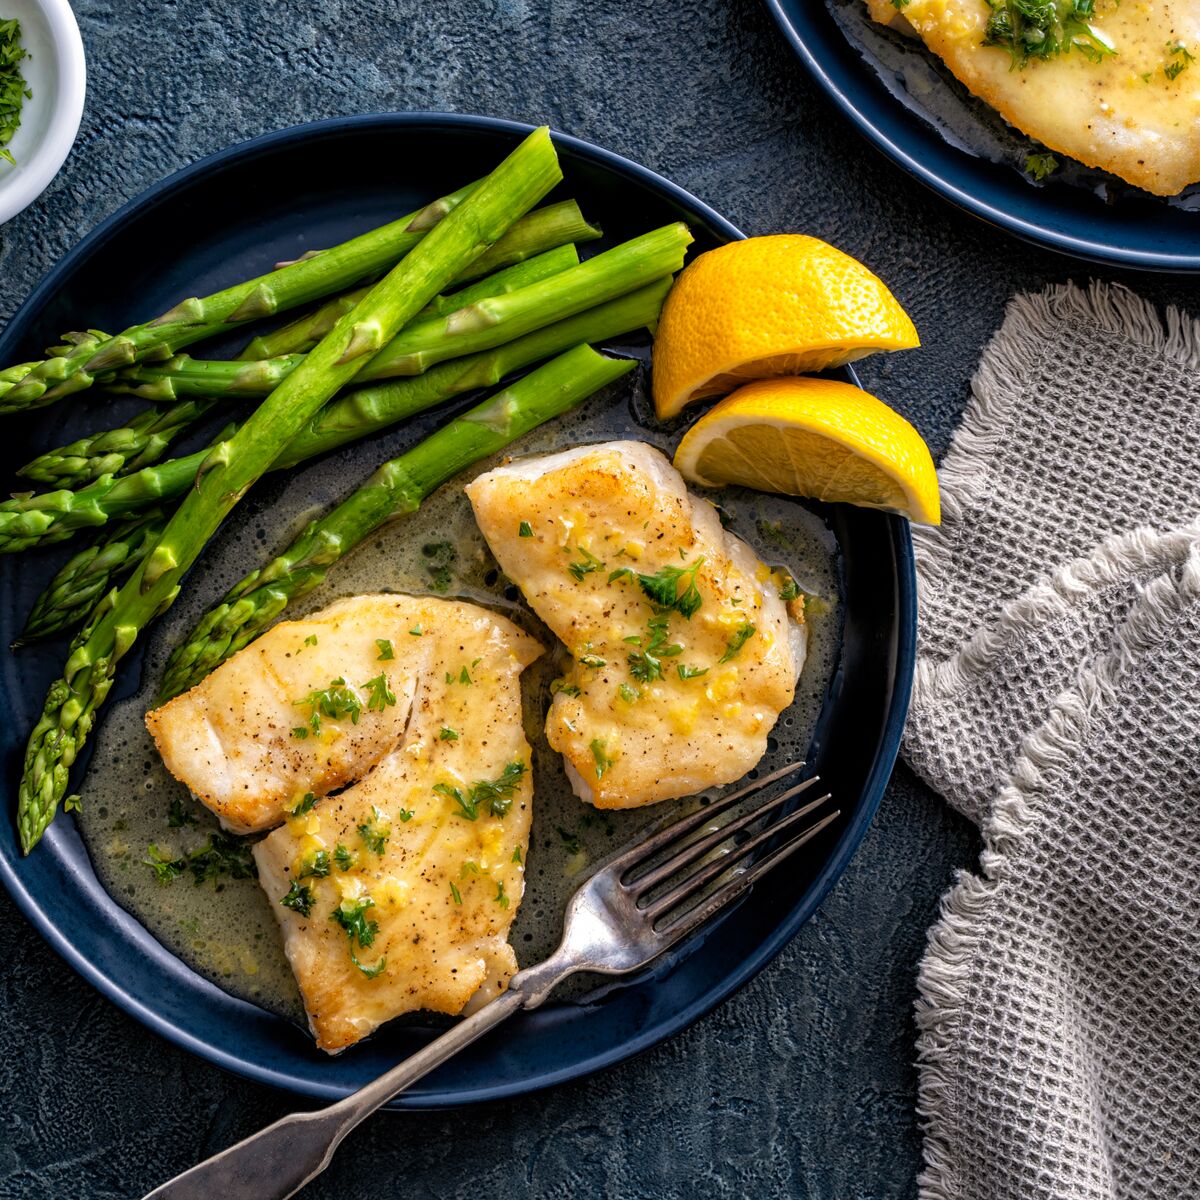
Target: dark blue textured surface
801 1084
853 751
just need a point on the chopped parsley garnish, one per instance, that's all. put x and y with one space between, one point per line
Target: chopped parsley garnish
686 672
311 640
668 590
351 916
381 695
165 868
570 840
13 89
416 631
1041 166
334 702
586 565
517 855
386 652
496 794
304 804
299 898
404 816
223 854
790 589
315 864
464 677
374 832
441 556
343 857
524 529
1181 57
740 637
561 685
178 816
592 660
629 694
447 734
603 762
1044 29
501 897
468 868
455 894
645 665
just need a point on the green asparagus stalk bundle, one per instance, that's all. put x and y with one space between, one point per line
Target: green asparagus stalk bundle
309 278
397 487
352 416
186 376
139 443
52 517
543 229
230 469
481 323
77 586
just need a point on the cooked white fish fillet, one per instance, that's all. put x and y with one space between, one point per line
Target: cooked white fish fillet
245 741
1135 112
398 893
664 697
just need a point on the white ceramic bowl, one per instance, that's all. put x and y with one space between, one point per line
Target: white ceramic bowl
56 74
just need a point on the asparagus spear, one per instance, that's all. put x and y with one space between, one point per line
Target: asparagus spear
138 444
395 488
358 414
185 376
308 278
511 190
81 581
543 229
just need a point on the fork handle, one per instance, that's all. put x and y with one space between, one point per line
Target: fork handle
278 1161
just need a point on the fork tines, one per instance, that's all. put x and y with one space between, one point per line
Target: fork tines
684 853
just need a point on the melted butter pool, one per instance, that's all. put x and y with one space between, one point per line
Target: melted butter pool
227 931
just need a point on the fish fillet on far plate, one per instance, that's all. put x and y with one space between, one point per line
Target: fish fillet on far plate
1135 112
397 894
661 699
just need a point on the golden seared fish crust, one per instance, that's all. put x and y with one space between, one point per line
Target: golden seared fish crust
243 739
1135 112
397 894
683 653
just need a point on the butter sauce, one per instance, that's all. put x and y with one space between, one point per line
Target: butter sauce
228 932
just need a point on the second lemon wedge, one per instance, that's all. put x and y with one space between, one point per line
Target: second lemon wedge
816 438
766 306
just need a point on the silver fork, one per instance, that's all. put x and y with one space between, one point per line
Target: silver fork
624 915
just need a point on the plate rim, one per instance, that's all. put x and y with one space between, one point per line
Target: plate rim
839 86
746 968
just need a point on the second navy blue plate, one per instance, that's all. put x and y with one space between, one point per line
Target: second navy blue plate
232 216
1110 224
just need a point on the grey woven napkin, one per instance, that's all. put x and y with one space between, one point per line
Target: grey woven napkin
1057 705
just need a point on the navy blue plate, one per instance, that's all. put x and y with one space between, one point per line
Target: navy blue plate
233 215
1134 229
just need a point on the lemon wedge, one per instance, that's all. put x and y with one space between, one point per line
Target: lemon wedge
816 438
766 306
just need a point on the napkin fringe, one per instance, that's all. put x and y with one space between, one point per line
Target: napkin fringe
1003 375
945 973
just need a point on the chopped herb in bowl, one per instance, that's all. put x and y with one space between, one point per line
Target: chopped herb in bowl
13 89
